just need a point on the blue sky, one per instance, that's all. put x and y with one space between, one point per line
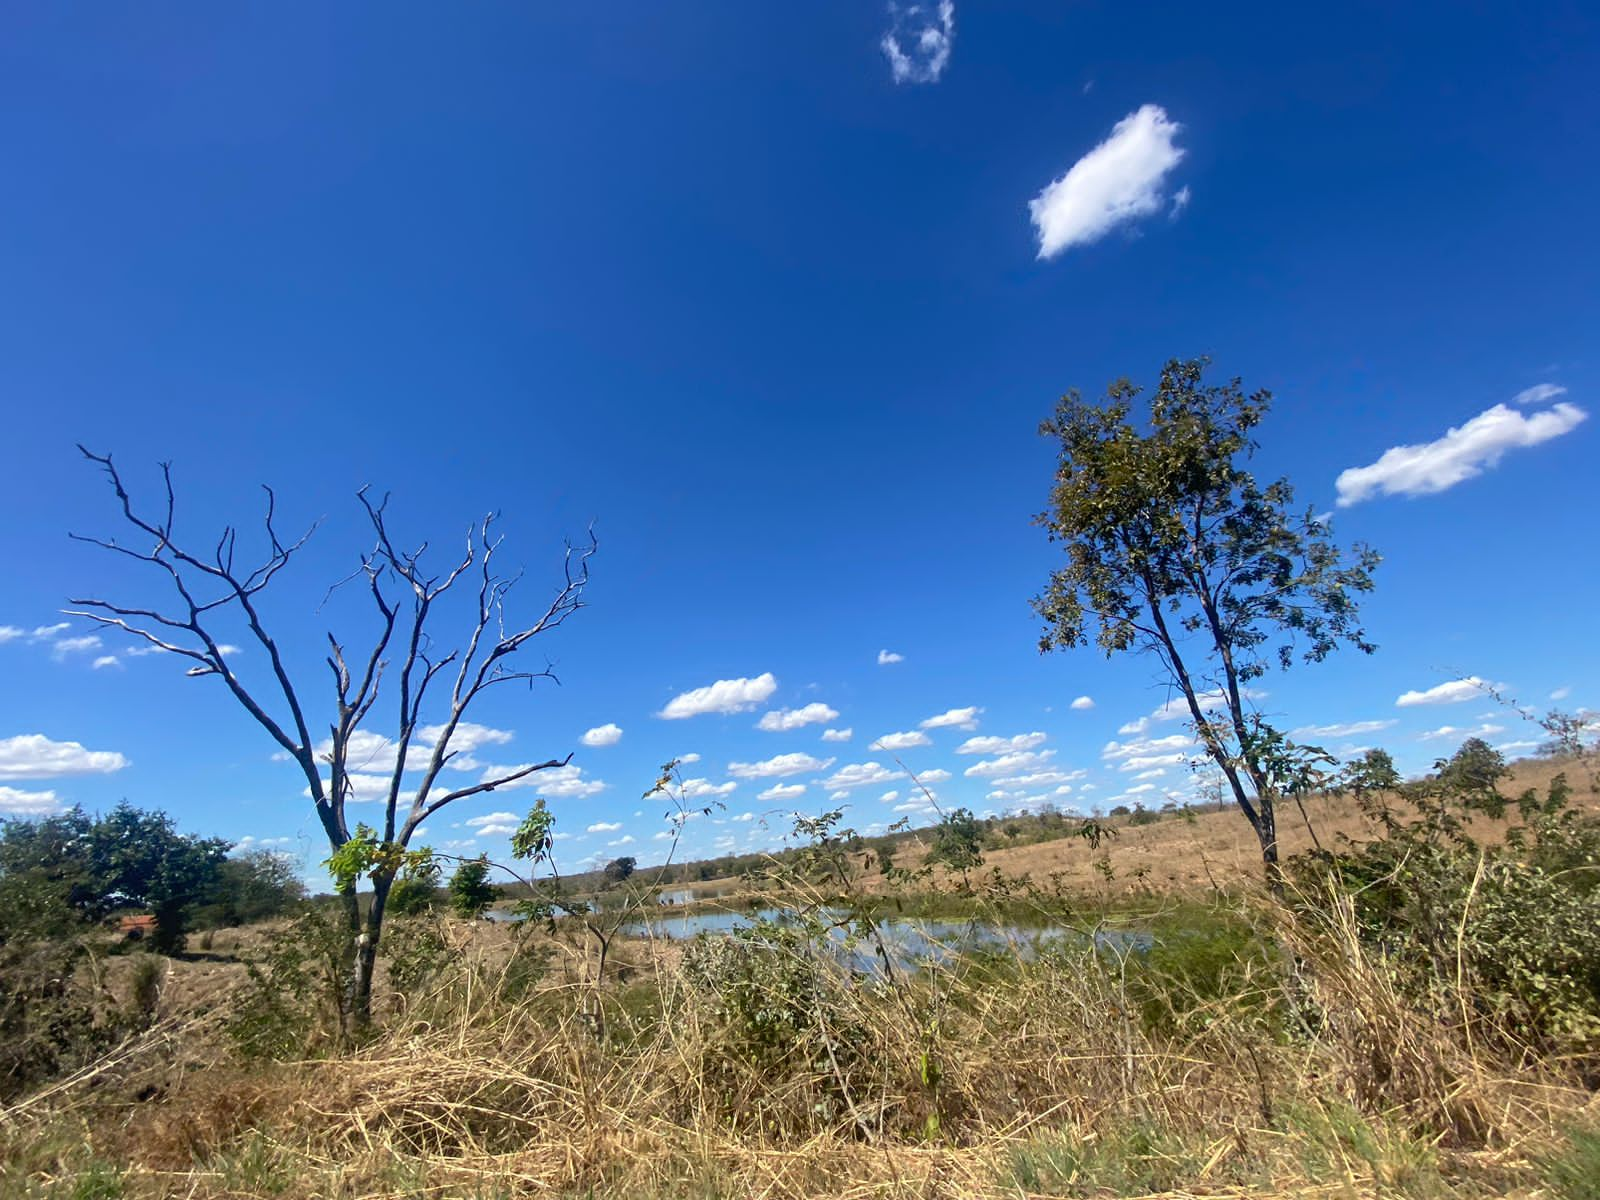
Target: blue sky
777 304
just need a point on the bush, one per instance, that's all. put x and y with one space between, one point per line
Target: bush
470 890
1519 922
294 999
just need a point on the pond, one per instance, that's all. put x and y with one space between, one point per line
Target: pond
908 941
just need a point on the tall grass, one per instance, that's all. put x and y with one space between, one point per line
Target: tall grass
1271 1052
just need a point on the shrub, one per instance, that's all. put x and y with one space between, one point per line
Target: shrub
470 890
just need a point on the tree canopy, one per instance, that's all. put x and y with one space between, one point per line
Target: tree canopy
1174 549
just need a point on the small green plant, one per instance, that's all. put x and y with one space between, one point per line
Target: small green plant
1573 1171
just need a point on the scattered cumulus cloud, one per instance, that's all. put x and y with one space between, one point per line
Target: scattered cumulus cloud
1001 745
604 827
34 756
885 657
701 789
62 647
603 735
723 696
1082 704
1346 729
782 791
688 759
918 41
10 633
784 719
556 783
14 802
1451 731
937 775
1120 181
1018 763
837 735
1561 693
1538 394
1463 453
867 774
891 743
1456 691
106 660
779 766
955 718
625 840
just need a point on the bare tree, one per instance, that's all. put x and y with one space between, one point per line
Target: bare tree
211 587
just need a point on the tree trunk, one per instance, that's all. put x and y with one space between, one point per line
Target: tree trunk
1267 832
366 956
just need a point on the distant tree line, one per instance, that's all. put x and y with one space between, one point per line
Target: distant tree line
62 873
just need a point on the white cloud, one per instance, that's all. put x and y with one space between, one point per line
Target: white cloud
106 660
937 775
34 756
665 835
74 645
697 789
14 802
1177 708
608 734
784 719
1180 201
1010 764
723 696
1450 731
1001 745
1119 181
1154 773
1040 779
1561 693
1461 454
557 783
687 759
750 816
42 632
837 735
625 840
867 774
604 827
1346 729
1082 704
889 797
1134 728
10 633
494 818
890 743
505 829
375 752
1455 692
782 791
1539 393
779 766
955 718
885 657
918 42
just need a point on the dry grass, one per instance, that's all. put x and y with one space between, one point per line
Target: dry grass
1016 1079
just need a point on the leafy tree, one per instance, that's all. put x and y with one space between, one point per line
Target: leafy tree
619 869
140 860
957 842
214 587
415 887
254 886
71 869
470 889
1174 549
